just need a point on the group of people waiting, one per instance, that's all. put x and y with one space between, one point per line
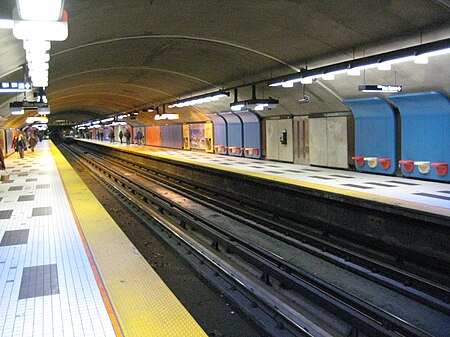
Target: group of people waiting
124 135
20 143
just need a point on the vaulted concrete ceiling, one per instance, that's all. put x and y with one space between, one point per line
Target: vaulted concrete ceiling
126 55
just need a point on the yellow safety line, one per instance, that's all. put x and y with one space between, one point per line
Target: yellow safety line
98 278
143 304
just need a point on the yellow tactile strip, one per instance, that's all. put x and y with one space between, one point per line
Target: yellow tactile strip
355 194
142 302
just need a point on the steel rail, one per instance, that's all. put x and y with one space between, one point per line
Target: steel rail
362 314
418 288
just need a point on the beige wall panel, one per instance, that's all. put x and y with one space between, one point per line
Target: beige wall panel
272 139
337 142
318 141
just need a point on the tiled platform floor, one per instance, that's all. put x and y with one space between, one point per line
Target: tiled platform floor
47 286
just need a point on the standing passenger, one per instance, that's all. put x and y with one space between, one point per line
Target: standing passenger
2 159
120 136
21 146
14 144
127 136
138 137
32 141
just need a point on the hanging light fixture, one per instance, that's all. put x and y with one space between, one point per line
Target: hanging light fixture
37 23
211 97
419 54
254 103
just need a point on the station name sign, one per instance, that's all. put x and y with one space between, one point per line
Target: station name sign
28 105
380 88
7 87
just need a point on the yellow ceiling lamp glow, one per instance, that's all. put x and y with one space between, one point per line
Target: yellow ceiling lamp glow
37 23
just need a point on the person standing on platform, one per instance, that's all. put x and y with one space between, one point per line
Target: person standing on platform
128 136
111 136
120 136
32 141
2 159
21 144
14 144
138 137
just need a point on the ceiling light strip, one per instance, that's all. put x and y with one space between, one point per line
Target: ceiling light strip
419 54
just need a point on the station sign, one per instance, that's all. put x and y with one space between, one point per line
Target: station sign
380 88
28 105
9 87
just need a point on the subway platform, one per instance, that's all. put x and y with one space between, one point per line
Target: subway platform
66 269
421 195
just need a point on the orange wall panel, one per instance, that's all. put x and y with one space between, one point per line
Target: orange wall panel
153 135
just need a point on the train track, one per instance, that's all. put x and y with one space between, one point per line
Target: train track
240 252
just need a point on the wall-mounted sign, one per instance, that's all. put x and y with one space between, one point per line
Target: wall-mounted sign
8 87
380 88
26 104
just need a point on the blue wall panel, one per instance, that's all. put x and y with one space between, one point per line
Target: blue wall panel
375 132
252 133
234 134
220 134
425 120
172 136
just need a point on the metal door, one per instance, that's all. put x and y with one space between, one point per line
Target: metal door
301 140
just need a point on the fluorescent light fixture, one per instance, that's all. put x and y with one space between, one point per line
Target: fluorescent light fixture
40 119
37 57
172 116
38 66
288 84
43 110
237 107
401 60
37 45
328 77
381 61
380 88
40 83
260 107
164 116
6 24
95 122
48 10
218 96
307 80
39 28
8 87
106 120
38 73
199 99
437 52
384 66
354 72
16 111
420 59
